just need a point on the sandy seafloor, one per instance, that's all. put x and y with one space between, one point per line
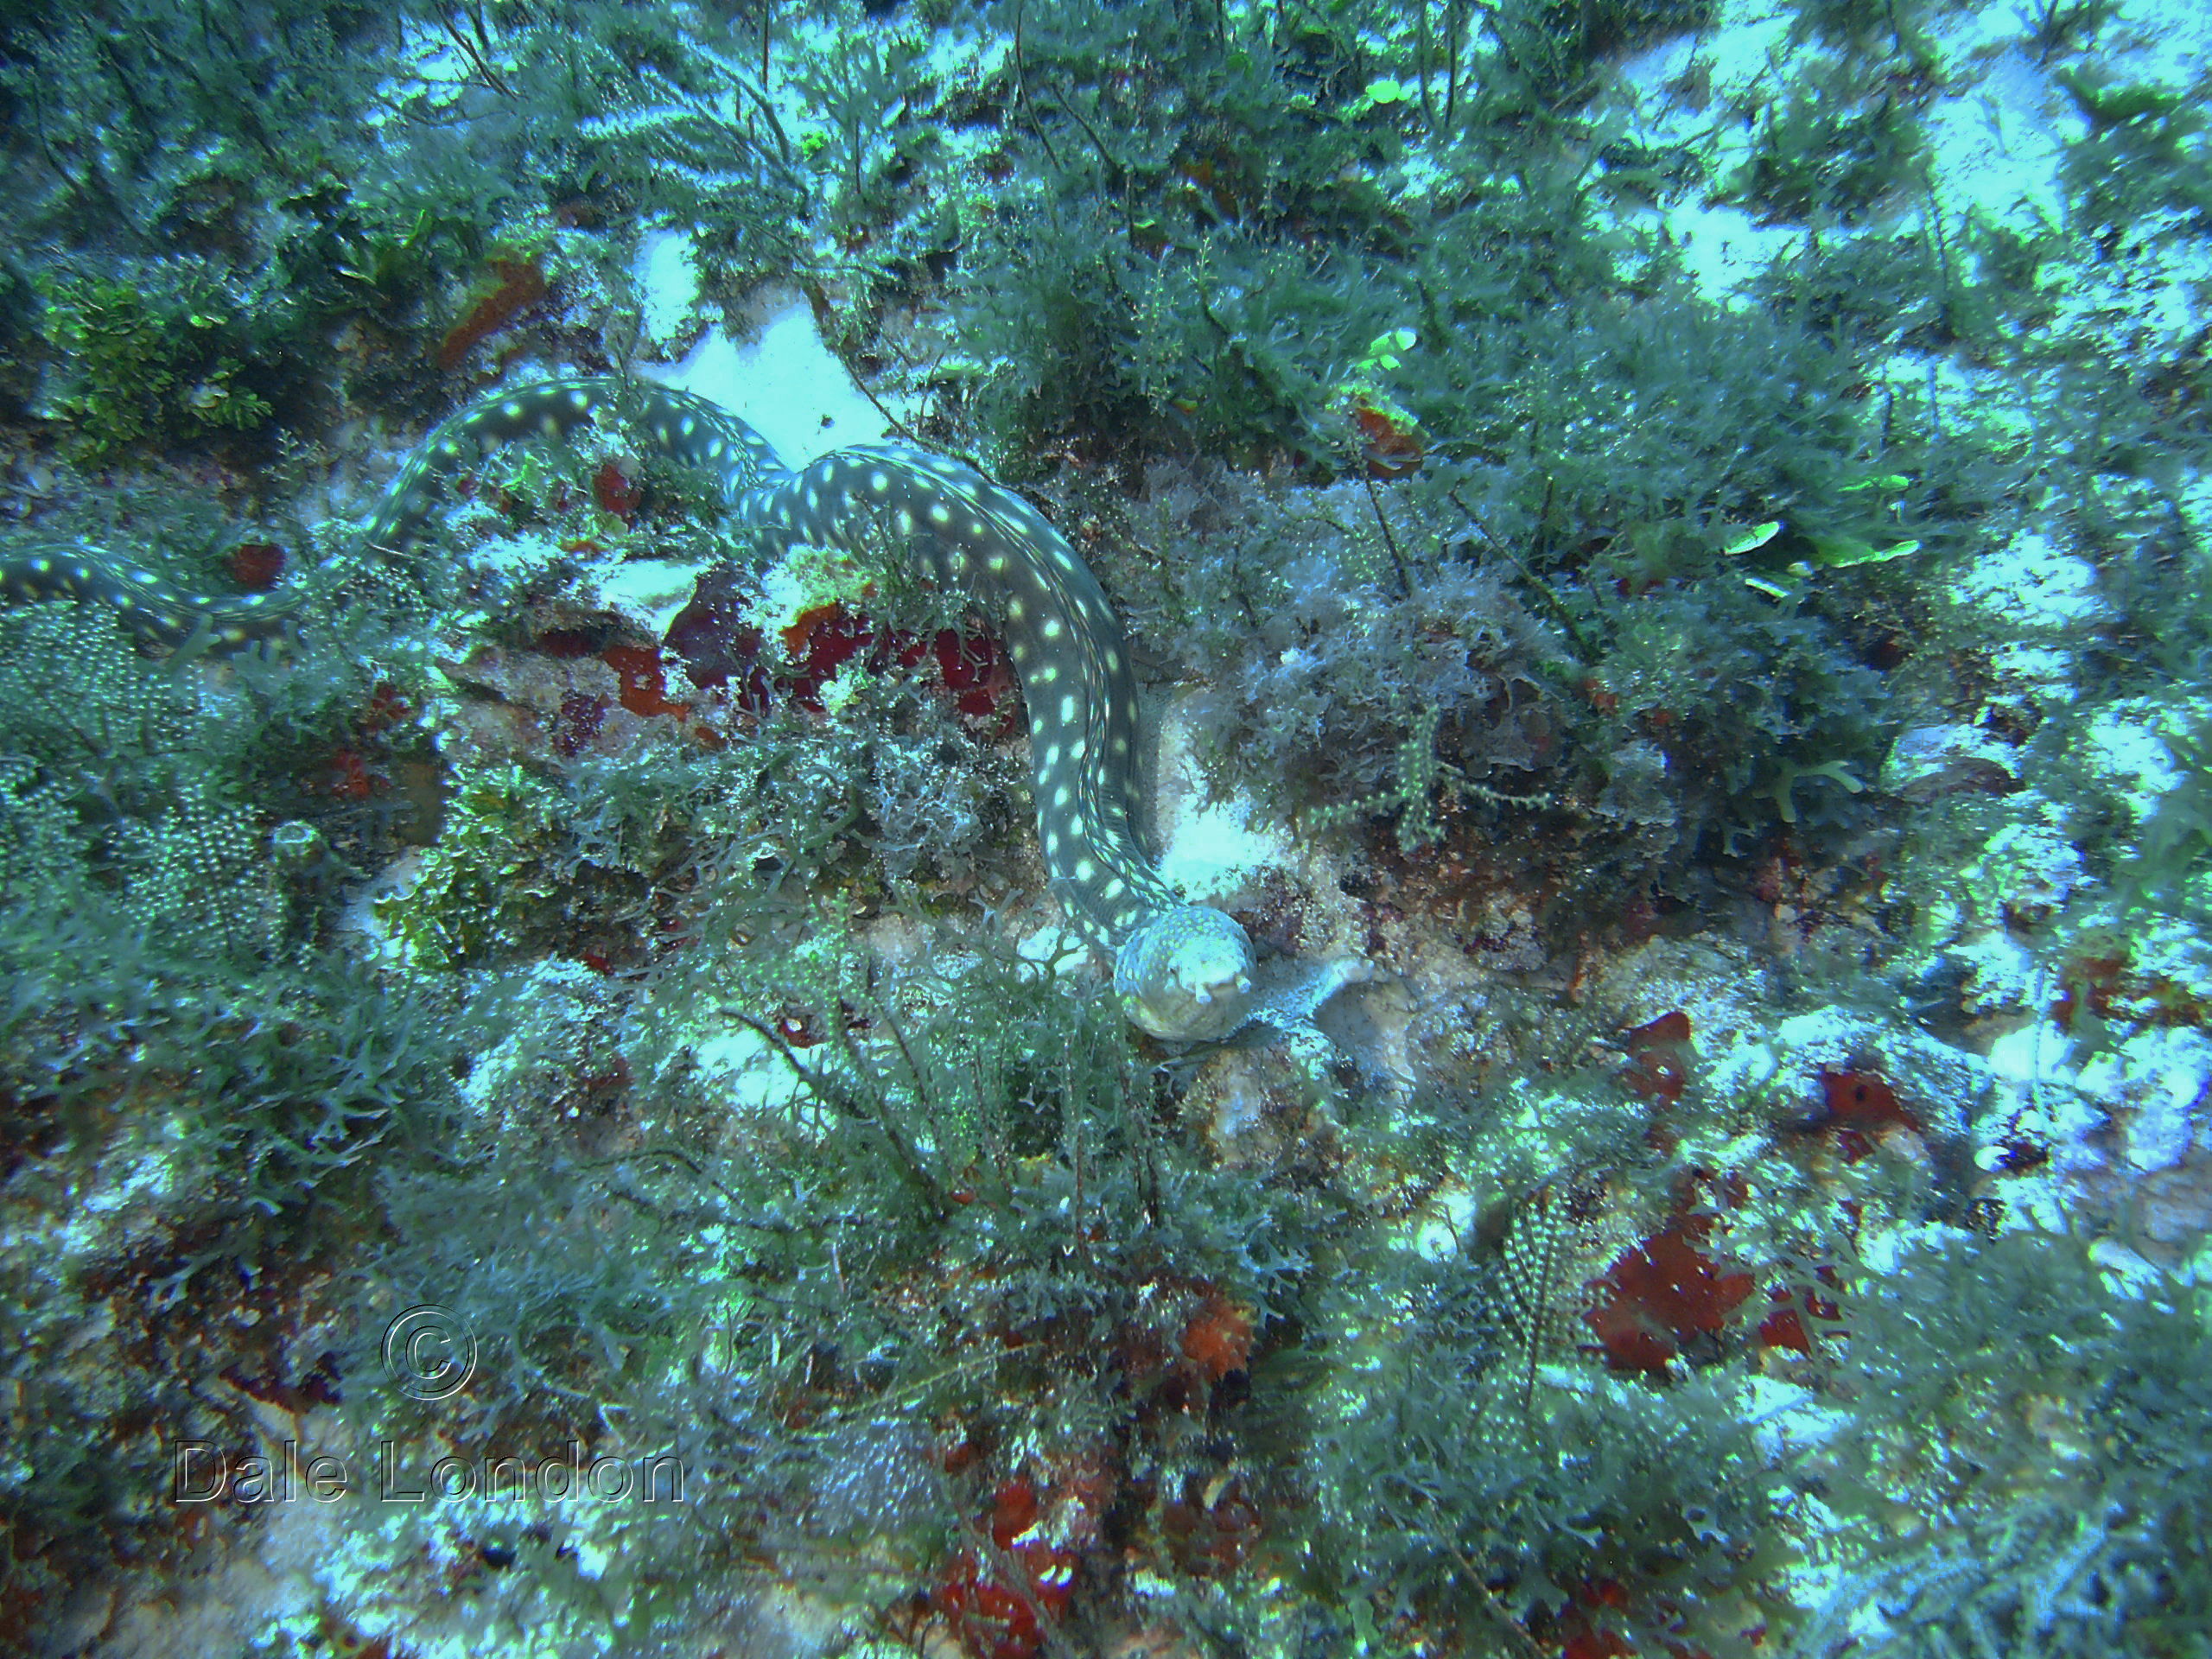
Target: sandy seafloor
2121 1127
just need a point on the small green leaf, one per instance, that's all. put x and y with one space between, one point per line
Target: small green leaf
1757 536
1840 552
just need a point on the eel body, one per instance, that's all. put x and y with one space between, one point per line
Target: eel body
1182 972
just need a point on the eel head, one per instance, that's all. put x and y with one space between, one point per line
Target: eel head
1186 975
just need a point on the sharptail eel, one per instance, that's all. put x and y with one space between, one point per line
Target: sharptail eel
1183 972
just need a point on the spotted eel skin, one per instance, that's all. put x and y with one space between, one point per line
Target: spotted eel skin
1182 972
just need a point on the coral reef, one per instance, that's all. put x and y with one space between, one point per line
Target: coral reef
548 1103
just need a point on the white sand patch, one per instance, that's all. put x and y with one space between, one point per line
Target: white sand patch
668 282
782 381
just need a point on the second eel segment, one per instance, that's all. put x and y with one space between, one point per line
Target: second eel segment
1182 972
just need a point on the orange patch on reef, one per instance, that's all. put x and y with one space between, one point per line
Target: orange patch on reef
521 285
1219 1337
1658 1059
643 684
1861 1108
1664 1293
1390 444
256 566
612 489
